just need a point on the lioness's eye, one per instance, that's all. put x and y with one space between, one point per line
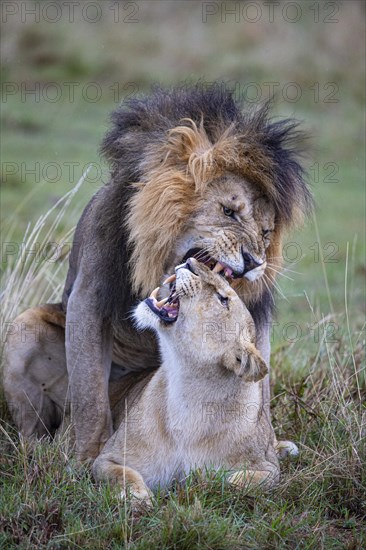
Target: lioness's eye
224 301
228 211
266 233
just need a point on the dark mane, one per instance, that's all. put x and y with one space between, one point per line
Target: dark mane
142 122
139 122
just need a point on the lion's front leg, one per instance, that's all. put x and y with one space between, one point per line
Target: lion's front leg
283 448
88 353
263 345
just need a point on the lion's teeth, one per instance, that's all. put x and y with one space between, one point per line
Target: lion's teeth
218 268
162 302
154 294
170 279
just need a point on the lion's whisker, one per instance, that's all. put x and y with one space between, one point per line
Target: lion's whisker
279 273
263 280
294 262
283 269
278 288
206 251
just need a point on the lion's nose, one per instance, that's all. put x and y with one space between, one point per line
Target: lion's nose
250 263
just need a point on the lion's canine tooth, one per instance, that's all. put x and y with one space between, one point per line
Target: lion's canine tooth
218 267
170 279
162 302
154 293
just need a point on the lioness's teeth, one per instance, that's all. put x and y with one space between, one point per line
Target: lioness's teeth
154 293
218 267
162 302
170 279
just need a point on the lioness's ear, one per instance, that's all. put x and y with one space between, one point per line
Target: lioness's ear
248 364
253 366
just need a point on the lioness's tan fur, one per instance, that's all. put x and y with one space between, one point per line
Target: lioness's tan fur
203 407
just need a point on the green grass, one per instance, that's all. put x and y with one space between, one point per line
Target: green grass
318 363
48 501
319 382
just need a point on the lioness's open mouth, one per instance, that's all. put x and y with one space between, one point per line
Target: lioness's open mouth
168 308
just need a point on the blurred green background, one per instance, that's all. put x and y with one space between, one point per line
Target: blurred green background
66 66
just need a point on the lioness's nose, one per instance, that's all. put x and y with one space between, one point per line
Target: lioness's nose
250 263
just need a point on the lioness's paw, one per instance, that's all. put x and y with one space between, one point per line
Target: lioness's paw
286 449
251 478
140 497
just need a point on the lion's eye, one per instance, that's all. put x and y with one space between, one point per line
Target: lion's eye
266 233
224 300
228 211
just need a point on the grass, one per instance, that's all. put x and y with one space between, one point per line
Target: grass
319 395
48 501
318 361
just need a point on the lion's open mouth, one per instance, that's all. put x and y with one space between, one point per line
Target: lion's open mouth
214 265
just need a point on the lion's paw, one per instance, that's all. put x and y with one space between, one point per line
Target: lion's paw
286 449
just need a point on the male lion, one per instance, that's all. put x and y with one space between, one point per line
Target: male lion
191 175
203 407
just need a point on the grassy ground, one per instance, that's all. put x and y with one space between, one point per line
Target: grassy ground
46 500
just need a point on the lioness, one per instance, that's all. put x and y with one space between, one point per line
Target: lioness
204 406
